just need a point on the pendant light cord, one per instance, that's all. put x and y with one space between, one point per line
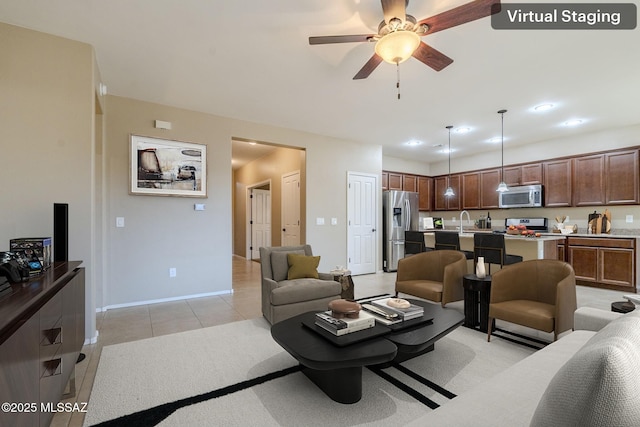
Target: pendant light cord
449 177
502 144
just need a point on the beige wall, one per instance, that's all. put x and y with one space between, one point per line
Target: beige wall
47 136
165 232
268 168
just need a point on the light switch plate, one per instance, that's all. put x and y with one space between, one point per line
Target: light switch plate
334 221
120 221
319 221
629 219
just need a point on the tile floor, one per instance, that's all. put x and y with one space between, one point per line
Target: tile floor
146 321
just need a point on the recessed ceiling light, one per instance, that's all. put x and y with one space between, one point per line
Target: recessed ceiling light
445 150
252 143
463 130
413 142
543 107
494 140
573 122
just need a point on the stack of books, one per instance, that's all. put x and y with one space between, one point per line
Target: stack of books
345 325
412 312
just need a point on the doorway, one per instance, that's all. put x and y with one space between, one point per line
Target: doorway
362 222
258 218
291 209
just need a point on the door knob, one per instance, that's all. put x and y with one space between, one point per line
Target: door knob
373 230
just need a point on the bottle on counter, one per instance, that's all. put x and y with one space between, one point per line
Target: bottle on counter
488 220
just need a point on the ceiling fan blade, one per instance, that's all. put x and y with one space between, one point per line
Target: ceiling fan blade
368 68
394 9
432 57
461 15
341 39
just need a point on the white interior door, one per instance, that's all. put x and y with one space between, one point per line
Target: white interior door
291 209
260 221
362 220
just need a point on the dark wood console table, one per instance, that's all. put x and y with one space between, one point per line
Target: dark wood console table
41 335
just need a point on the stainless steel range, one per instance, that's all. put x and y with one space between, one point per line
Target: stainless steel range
537 224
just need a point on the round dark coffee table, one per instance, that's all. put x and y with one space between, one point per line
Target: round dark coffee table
337 369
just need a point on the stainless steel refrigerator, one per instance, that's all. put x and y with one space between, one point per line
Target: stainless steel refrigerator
399 214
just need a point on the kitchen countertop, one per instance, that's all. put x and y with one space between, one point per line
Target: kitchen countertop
553 236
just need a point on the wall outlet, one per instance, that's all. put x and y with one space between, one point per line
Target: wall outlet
629 219
172 272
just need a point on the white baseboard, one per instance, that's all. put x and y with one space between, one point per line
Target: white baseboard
155 301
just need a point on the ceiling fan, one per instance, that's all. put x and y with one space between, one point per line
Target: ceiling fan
399 34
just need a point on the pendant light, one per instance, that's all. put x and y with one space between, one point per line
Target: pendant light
502 187
449 191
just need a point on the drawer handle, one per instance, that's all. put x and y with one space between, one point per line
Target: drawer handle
52 336
52 367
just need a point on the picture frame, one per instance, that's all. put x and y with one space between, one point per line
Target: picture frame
162 167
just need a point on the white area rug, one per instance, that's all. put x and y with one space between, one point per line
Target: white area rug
146 374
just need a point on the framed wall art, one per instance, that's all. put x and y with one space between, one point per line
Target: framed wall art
160 167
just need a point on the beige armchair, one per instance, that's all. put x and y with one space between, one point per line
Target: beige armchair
539 294
283 298
434 275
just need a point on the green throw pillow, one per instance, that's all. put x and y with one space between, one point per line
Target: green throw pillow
301 266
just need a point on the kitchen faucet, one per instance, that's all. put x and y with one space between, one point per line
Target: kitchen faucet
468 219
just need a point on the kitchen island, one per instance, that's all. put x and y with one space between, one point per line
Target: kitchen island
543 247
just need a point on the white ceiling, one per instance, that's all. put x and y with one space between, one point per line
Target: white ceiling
250 59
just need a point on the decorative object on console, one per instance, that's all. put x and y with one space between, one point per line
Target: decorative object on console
34 247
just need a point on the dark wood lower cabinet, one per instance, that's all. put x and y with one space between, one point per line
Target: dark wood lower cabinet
41 335
603 262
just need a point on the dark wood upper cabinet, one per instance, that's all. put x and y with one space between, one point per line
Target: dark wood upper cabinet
622 177
489 181
395 181
511 175
443 203
410 183
471 190
531 174
425 193
557 182
527 174
588 180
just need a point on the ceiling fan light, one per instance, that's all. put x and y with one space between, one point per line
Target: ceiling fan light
398 46
502 187
449 192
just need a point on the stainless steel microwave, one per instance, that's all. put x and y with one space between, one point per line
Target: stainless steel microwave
526 196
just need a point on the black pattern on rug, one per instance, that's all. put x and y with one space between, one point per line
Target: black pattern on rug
410 390
154 416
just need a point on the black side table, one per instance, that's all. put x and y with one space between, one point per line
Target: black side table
476 301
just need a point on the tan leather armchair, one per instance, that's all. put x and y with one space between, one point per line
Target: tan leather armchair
434 275
539 294
283 298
